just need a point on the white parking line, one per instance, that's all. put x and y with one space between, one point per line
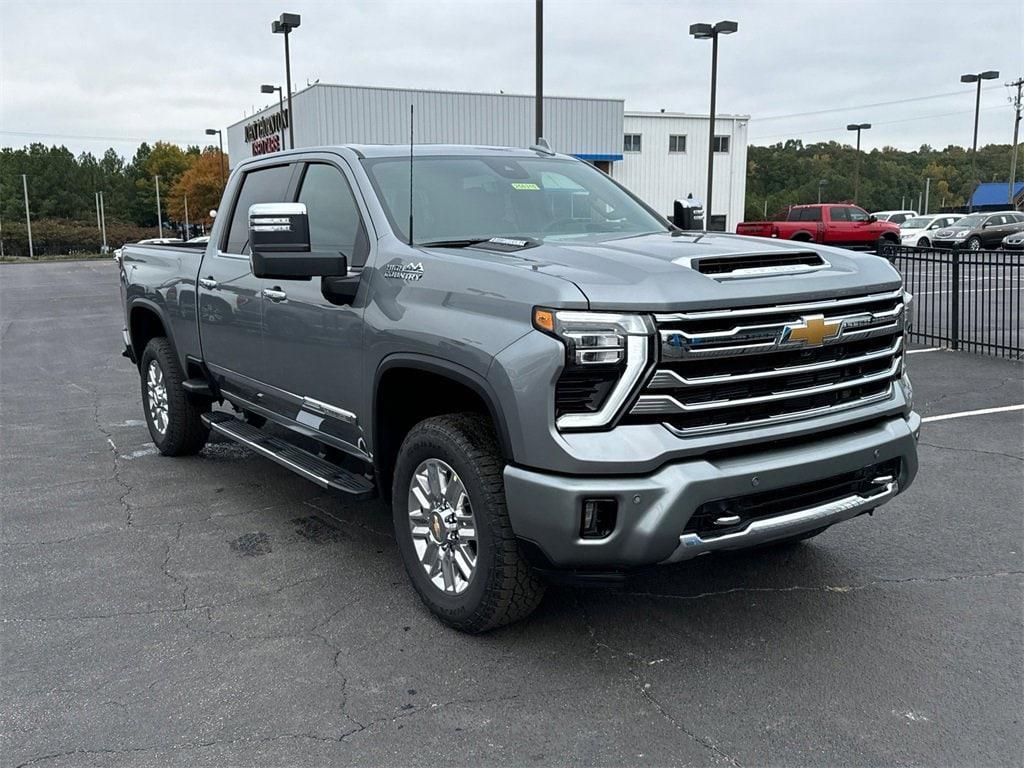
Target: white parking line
979 412
926 349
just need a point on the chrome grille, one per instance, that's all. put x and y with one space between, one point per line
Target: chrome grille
735 369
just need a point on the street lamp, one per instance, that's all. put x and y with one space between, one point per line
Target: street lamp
220 140
858 127
280 99
821 186
989 75
711 32
284 26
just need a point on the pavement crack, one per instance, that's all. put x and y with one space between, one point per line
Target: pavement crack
830 587
126 487
972 450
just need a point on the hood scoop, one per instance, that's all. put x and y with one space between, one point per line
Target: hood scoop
754 264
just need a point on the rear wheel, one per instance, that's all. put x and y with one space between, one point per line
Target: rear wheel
452 526
174 420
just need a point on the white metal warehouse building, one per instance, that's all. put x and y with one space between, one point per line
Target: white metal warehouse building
659 156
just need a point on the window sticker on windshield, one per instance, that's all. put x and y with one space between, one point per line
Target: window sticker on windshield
524 185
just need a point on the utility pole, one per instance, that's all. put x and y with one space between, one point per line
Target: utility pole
1018 84
539 54
103 223
97 196
927 189
187 233
28 218
159 218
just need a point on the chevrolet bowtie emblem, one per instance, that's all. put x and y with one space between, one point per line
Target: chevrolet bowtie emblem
813 330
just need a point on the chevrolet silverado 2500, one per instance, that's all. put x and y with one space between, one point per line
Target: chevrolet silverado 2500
538 373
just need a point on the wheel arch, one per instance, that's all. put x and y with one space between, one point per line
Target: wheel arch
408 388
803 236
146 320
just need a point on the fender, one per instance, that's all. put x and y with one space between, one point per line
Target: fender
459 373
156 309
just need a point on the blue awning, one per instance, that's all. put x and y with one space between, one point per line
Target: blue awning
995 193
593 158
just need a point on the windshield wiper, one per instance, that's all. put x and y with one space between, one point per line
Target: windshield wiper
465 243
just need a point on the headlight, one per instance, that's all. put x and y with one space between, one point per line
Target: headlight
606 354
959 235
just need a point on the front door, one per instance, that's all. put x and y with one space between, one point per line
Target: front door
230 297
312 343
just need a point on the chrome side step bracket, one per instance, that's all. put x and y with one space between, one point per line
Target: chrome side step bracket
302 462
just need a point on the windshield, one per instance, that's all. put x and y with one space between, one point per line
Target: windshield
970 222
919 223
475 198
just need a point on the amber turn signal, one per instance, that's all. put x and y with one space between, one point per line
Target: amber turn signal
544 319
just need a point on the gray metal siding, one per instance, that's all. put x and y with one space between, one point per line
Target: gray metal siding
342 114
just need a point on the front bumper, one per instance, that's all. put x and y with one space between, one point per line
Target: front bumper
653 509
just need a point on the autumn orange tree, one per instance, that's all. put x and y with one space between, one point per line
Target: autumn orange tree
201 184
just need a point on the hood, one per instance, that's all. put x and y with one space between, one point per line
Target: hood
659 272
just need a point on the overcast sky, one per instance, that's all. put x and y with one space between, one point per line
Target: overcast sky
97 74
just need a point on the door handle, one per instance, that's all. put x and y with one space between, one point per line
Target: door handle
208 283
275 294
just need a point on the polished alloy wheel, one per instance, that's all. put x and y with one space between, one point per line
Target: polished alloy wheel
157 395
442 526
974 244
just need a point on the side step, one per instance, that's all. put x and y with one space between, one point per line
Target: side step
312 467
197 387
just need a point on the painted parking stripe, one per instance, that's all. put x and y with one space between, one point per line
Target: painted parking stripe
980 412
927 349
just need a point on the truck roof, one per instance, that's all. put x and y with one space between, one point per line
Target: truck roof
419 150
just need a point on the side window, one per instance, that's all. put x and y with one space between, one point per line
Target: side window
840 213
721 144
811 214
266 185
899 218
856 214
335 224
631 142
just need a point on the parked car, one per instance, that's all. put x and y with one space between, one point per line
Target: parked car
150 241
895 217
979 230
1014 242
832 224
537 386
919 230
201 240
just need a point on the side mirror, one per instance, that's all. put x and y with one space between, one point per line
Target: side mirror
872 219
279 241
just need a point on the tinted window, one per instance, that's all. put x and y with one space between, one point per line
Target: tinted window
267 185
856 214
898 218
840 214
995 221
335 225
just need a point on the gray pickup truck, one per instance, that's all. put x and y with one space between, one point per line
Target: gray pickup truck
539 374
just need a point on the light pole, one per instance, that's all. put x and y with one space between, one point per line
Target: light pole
284 26
280 100
220 141
539 51
987 75
711 32
821 186
858 127
103 222
159 218
28 219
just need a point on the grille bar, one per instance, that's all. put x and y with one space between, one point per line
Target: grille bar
757 366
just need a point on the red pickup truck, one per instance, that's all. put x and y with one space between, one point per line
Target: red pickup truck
832 224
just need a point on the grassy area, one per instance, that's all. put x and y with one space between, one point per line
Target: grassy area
56 257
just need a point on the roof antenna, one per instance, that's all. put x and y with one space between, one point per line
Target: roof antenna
410 171
542 146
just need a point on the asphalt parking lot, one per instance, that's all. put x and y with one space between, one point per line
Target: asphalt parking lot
218 610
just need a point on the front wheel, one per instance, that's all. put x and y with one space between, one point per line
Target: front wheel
974 244
452 526
174 421
924 242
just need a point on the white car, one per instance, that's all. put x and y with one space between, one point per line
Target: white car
917 230
896 217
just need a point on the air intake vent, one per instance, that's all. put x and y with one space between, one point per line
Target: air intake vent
753 265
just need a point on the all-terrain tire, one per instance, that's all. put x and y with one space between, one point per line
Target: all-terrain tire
183 431
503 587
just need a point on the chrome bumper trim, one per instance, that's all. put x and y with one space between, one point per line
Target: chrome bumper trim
811 306
790 524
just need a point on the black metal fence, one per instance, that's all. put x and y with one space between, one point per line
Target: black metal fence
969 300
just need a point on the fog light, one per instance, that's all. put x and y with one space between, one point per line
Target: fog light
598 518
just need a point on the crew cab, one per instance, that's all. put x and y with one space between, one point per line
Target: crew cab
539 375
833 224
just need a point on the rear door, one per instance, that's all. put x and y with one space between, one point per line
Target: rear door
230 300
312 341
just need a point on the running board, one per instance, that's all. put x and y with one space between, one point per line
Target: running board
310 466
